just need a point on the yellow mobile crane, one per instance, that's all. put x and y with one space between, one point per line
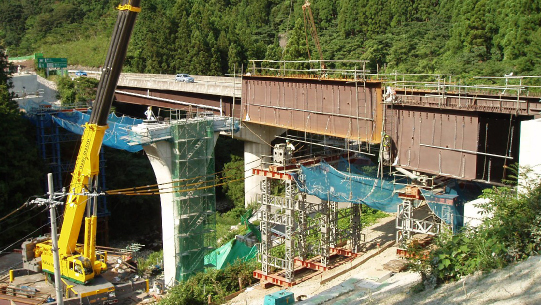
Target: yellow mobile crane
80 263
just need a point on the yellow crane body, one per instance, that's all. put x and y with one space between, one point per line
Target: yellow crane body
78 263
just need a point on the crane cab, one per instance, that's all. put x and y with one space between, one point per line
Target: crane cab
78 269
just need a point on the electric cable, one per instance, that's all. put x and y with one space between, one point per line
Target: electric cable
19 208
18 241
164 190
20 223
155 187
182 191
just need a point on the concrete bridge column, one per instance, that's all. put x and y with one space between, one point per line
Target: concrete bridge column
257 139
160 157
252 159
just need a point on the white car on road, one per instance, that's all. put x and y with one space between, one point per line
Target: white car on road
184 78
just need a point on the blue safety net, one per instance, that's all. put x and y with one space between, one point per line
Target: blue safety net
115 136
328 183
449 206
358 183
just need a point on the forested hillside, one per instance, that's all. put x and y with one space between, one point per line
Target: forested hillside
459 37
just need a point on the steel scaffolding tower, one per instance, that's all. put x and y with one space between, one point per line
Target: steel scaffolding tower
49 138
194 195
300 217
407 225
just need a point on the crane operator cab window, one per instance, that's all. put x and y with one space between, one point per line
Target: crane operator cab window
76 267
81 266
87 266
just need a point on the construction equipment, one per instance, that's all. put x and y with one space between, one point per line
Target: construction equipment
309 18
80 263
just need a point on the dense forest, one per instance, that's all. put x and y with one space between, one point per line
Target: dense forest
464 38
22 172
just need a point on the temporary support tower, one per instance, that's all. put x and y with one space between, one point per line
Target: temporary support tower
299 217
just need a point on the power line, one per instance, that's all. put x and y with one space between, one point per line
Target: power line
182 191
155 187
19 208
20 223
18 241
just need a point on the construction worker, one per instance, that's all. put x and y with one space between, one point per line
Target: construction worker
149 114
290 146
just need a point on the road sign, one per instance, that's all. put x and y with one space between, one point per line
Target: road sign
52 62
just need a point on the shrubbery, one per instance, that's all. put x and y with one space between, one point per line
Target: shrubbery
513 233
216 283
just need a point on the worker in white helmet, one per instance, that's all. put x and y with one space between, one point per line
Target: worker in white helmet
290 146
149 114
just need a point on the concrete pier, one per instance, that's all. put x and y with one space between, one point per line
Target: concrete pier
257 143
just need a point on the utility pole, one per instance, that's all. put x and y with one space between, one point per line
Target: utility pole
54 236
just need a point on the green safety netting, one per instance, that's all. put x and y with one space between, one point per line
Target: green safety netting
244 220
229 253
195 199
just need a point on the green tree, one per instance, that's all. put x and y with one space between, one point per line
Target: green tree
21 171
511 232
78 91
296 47
233 176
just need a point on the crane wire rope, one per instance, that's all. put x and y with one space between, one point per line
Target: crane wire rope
287 27
244 124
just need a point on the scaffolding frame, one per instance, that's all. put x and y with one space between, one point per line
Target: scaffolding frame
299 217
195 200
49 138
407 225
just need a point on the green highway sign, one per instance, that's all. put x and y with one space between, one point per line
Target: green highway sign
52 62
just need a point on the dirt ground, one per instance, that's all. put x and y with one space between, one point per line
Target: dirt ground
371 284
516 284
382 233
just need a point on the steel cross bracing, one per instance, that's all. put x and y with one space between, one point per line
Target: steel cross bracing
280 202
356 227
266 242
289 231
324 251
333 223
293 212
302 227
287 219
406 224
